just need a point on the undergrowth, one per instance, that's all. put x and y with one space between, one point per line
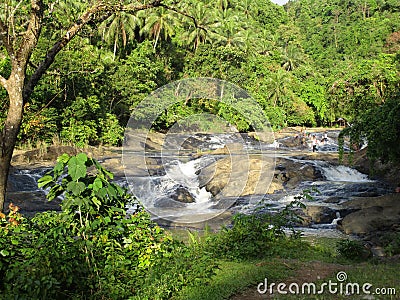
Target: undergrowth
94 250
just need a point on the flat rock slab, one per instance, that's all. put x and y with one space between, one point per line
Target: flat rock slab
371 214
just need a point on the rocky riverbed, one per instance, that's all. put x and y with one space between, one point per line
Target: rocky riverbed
347 200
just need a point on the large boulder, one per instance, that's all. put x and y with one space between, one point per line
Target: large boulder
320 214
181 194
43 154
371 214
239 177
297 172
235 176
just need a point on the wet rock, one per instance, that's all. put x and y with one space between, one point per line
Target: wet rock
21 182
333 200
168 203
44 154
372 214
182 195
220 177
275 186
237 175
153 141
31 202
297 172
137 165
290 142
320 214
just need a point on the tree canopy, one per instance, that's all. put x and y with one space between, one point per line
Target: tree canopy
307 63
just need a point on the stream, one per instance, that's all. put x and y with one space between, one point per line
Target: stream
170 186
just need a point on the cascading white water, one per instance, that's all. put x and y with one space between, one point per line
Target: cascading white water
158 193
344 174
185 174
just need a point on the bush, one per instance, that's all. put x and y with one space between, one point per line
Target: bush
353 250
256 235
92 249
391 243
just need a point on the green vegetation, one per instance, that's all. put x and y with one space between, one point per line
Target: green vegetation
94 250
306 64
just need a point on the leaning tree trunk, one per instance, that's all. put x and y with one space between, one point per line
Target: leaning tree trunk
8 136
18 90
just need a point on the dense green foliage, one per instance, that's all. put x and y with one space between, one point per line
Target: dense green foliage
353 250
257 235
93 248
307 63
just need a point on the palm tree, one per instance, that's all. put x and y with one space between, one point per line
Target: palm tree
119 25
197 33
264 41
228 30
250 41
245 6
292 57
278 87
159 23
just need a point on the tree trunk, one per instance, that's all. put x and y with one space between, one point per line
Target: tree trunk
10 131
4 169
18 90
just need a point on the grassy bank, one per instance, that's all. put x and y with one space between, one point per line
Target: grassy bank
319 263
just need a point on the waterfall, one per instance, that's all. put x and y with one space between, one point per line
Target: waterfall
344 174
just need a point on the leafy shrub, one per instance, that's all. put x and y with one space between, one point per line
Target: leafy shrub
276 116
391 243
353 250
111 131
300 114
92 249
254 235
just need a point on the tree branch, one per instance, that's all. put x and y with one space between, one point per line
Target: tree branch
3 81
5 38
31 36
89 15
196 24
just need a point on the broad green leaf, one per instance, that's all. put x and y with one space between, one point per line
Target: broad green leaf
4 252
76 187
76 168
102 193
45 180
58 169
81 157
102 169
97 184
111 191
54 192
63 158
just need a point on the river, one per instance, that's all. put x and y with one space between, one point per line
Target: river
176 187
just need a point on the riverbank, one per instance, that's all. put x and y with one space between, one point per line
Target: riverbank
242 278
